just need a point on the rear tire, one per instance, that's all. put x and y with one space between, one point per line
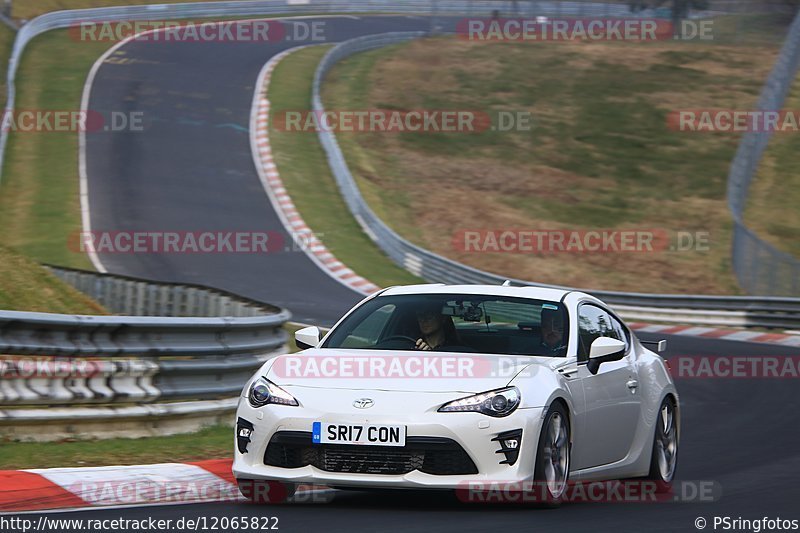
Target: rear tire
664 459
551 474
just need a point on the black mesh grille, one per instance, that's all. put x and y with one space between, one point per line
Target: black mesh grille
431 455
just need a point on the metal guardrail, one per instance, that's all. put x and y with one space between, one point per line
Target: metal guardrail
759 266
125 295
90 368
744 311
23 333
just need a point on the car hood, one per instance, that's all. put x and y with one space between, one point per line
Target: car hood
397 370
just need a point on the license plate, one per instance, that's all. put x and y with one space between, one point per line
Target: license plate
375 435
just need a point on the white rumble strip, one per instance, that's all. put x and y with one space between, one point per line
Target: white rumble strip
276 191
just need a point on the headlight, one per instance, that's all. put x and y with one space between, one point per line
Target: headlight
263 391
501 402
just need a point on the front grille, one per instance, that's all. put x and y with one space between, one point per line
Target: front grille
432 455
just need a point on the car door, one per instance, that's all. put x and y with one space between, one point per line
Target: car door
613 404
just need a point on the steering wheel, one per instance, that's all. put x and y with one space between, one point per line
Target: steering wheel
399 338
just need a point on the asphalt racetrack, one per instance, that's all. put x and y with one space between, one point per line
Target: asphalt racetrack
192 169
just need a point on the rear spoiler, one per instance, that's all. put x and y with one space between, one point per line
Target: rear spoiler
661 346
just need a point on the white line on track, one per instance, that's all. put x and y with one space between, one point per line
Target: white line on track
86 215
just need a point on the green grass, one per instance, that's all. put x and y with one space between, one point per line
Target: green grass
6 41
766 28
27 286
39 202
599 155
209 443
772 207
305 172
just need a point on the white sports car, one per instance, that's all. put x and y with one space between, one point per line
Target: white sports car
438 386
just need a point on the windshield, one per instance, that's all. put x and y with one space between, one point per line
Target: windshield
455 323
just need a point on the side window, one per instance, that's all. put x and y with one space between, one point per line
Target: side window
367 333
594 322
620 332
590 326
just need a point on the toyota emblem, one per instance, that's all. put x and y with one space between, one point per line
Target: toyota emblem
363 403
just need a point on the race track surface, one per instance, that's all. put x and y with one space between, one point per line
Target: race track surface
192 170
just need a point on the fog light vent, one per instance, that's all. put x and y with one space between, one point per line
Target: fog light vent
244 430
510 442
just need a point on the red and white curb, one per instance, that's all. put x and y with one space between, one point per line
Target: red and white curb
61 489
275 189
722 334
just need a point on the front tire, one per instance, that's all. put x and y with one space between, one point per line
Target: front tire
664 460
553 456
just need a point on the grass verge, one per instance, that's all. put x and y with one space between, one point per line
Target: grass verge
305 172
209 443
39 202
6 41
772 205
27 286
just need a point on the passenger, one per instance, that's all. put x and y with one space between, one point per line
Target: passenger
552 331
436 330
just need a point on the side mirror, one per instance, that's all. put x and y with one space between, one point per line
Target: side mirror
603 350
307 337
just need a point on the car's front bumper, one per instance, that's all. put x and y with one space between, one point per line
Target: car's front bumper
472 431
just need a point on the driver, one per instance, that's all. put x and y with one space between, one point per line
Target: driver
436 329
552 330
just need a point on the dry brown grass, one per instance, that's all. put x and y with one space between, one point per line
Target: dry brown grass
773 207
644 177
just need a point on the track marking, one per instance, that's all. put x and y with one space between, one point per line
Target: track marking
786 339
83 182
276 192
63 490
